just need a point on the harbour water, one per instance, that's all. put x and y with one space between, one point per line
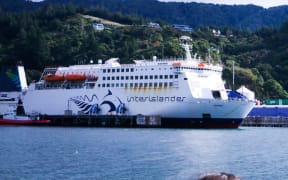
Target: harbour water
122 153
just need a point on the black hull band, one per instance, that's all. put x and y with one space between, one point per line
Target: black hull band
134 121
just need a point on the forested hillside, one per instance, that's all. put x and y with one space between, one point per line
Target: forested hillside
245 17
54 36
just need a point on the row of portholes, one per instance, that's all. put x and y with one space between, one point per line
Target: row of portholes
138 85
127 70
140 77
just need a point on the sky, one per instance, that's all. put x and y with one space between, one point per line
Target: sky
263 3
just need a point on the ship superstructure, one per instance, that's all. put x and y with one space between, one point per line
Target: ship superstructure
177 93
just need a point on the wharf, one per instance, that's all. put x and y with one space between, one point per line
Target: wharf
103 121
265 121
267 116
152 121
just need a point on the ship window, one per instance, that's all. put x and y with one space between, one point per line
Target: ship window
155 77
117 70
171 76
216 94
126 84
121 84
155 84
151 77
132 70
108 78
141 84
206 116
170 84
117 85
145 84
166 76
108 85
131 77
160 84
103 85
104 70
160 77
112 85
141 77
113 70
127 77
176 76
90 85
131 84
108 70
136 85
113 78
136 77
165 84
122 70
146 77
150 84
122 77
99 85
185 78
117 77
104 78
127 70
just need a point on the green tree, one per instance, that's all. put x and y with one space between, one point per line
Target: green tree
274 89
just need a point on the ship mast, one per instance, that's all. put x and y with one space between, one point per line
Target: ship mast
186 46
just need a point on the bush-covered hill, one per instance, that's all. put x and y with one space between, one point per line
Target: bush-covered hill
53 36
245 17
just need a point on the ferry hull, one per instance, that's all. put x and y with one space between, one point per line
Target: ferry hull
192 113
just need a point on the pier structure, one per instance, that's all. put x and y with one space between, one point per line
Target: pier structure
265 121
267 116
104 121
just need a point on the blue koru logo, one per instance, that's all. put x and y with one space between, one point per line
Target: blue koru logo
93 105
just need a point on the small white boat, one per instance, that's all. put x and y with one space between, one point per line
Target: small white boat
18 117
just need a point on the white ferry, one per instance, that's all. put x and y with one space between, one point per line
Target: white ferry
13 84
172 93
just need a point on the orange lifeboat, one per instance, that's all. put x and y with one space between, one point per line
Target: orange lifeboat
75 77
54 77
176 63
201 65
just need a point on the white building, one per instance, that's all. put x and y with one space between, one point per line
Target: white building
98 26
246 92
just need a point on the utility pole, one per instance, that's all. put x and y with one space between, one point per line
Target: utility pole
233 75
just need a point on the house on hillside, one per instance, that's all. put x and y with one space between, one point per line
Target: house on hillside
153 25
216 32
182 27
98 26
